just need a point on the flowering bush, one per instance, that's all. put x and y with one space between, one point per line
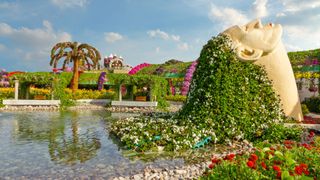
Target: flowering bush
290 160
102 79
138 68
188 78
6 93
4 78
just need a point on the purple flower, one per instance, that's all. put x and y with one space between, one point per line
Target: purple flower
188 78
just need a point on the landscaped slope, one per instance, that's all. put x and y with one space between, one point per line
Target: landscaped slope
233 97
229 100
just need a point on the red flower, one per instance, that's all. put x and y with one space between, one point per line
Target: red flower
276 168
211 166
229 157
303 165
302 168
311 133
288 146
253 157
264 165
215 160
298 170
250 164
307 146
288 142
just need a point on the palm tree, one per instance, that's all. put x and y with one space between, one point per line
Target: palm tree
76 53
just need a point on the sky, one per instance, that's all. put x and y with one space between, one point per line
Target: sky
151 31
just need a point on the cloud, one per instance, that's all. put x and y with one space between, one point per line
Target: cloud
298 5
32 44
226 16
183 46
158 33
40 37
304 36
163 35
175 38
112 37
69 3
260 8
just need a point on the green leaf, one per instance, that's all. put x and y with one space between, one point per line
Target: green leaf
278 154
306 178
286 176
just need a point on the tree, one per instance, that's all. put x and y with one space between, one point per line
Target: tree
78 54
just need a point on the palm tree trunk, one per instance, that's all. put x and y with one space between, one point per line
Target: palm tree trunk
75 77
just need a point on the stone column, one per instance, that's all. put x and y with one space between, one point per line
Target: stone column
16 89
120 94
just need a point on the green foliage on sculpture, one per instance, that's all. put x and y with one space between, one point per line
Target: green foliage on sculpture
233 97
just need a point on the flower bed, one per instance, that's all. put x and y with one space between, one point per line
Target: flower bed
290 160
311 120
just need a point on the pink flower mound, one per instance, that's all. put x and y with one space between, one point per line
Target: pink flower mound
188 78
138 68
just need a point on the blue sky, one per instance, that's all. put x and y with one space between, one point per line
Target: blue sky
140 31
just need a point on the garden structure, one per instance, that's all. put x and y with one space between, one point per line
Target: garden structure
307 78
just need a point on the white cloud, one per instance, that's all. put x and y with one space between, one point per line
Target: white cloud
33 44
163 35
260 8
5 29
183 46
112 37
226 16
69 3
298 5
43 37
158 33
175 37
301 36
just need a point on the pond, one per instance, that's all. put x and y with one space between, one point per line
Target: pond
65 144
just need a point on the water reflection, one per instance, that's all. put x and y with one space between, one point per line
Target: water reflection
70 141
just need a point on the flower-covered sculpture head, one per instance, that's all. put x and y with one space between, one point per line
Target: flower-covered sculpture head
254 39
262 45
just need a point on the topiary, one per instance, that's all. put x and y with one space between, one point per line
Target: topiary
228 99
233 97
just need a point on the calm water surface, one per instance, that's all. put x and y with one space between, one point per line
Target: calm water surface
64 145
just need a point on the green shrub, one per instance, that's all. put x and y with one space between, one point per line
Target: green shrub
277 132
232 97
313 104
305 109
179 98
